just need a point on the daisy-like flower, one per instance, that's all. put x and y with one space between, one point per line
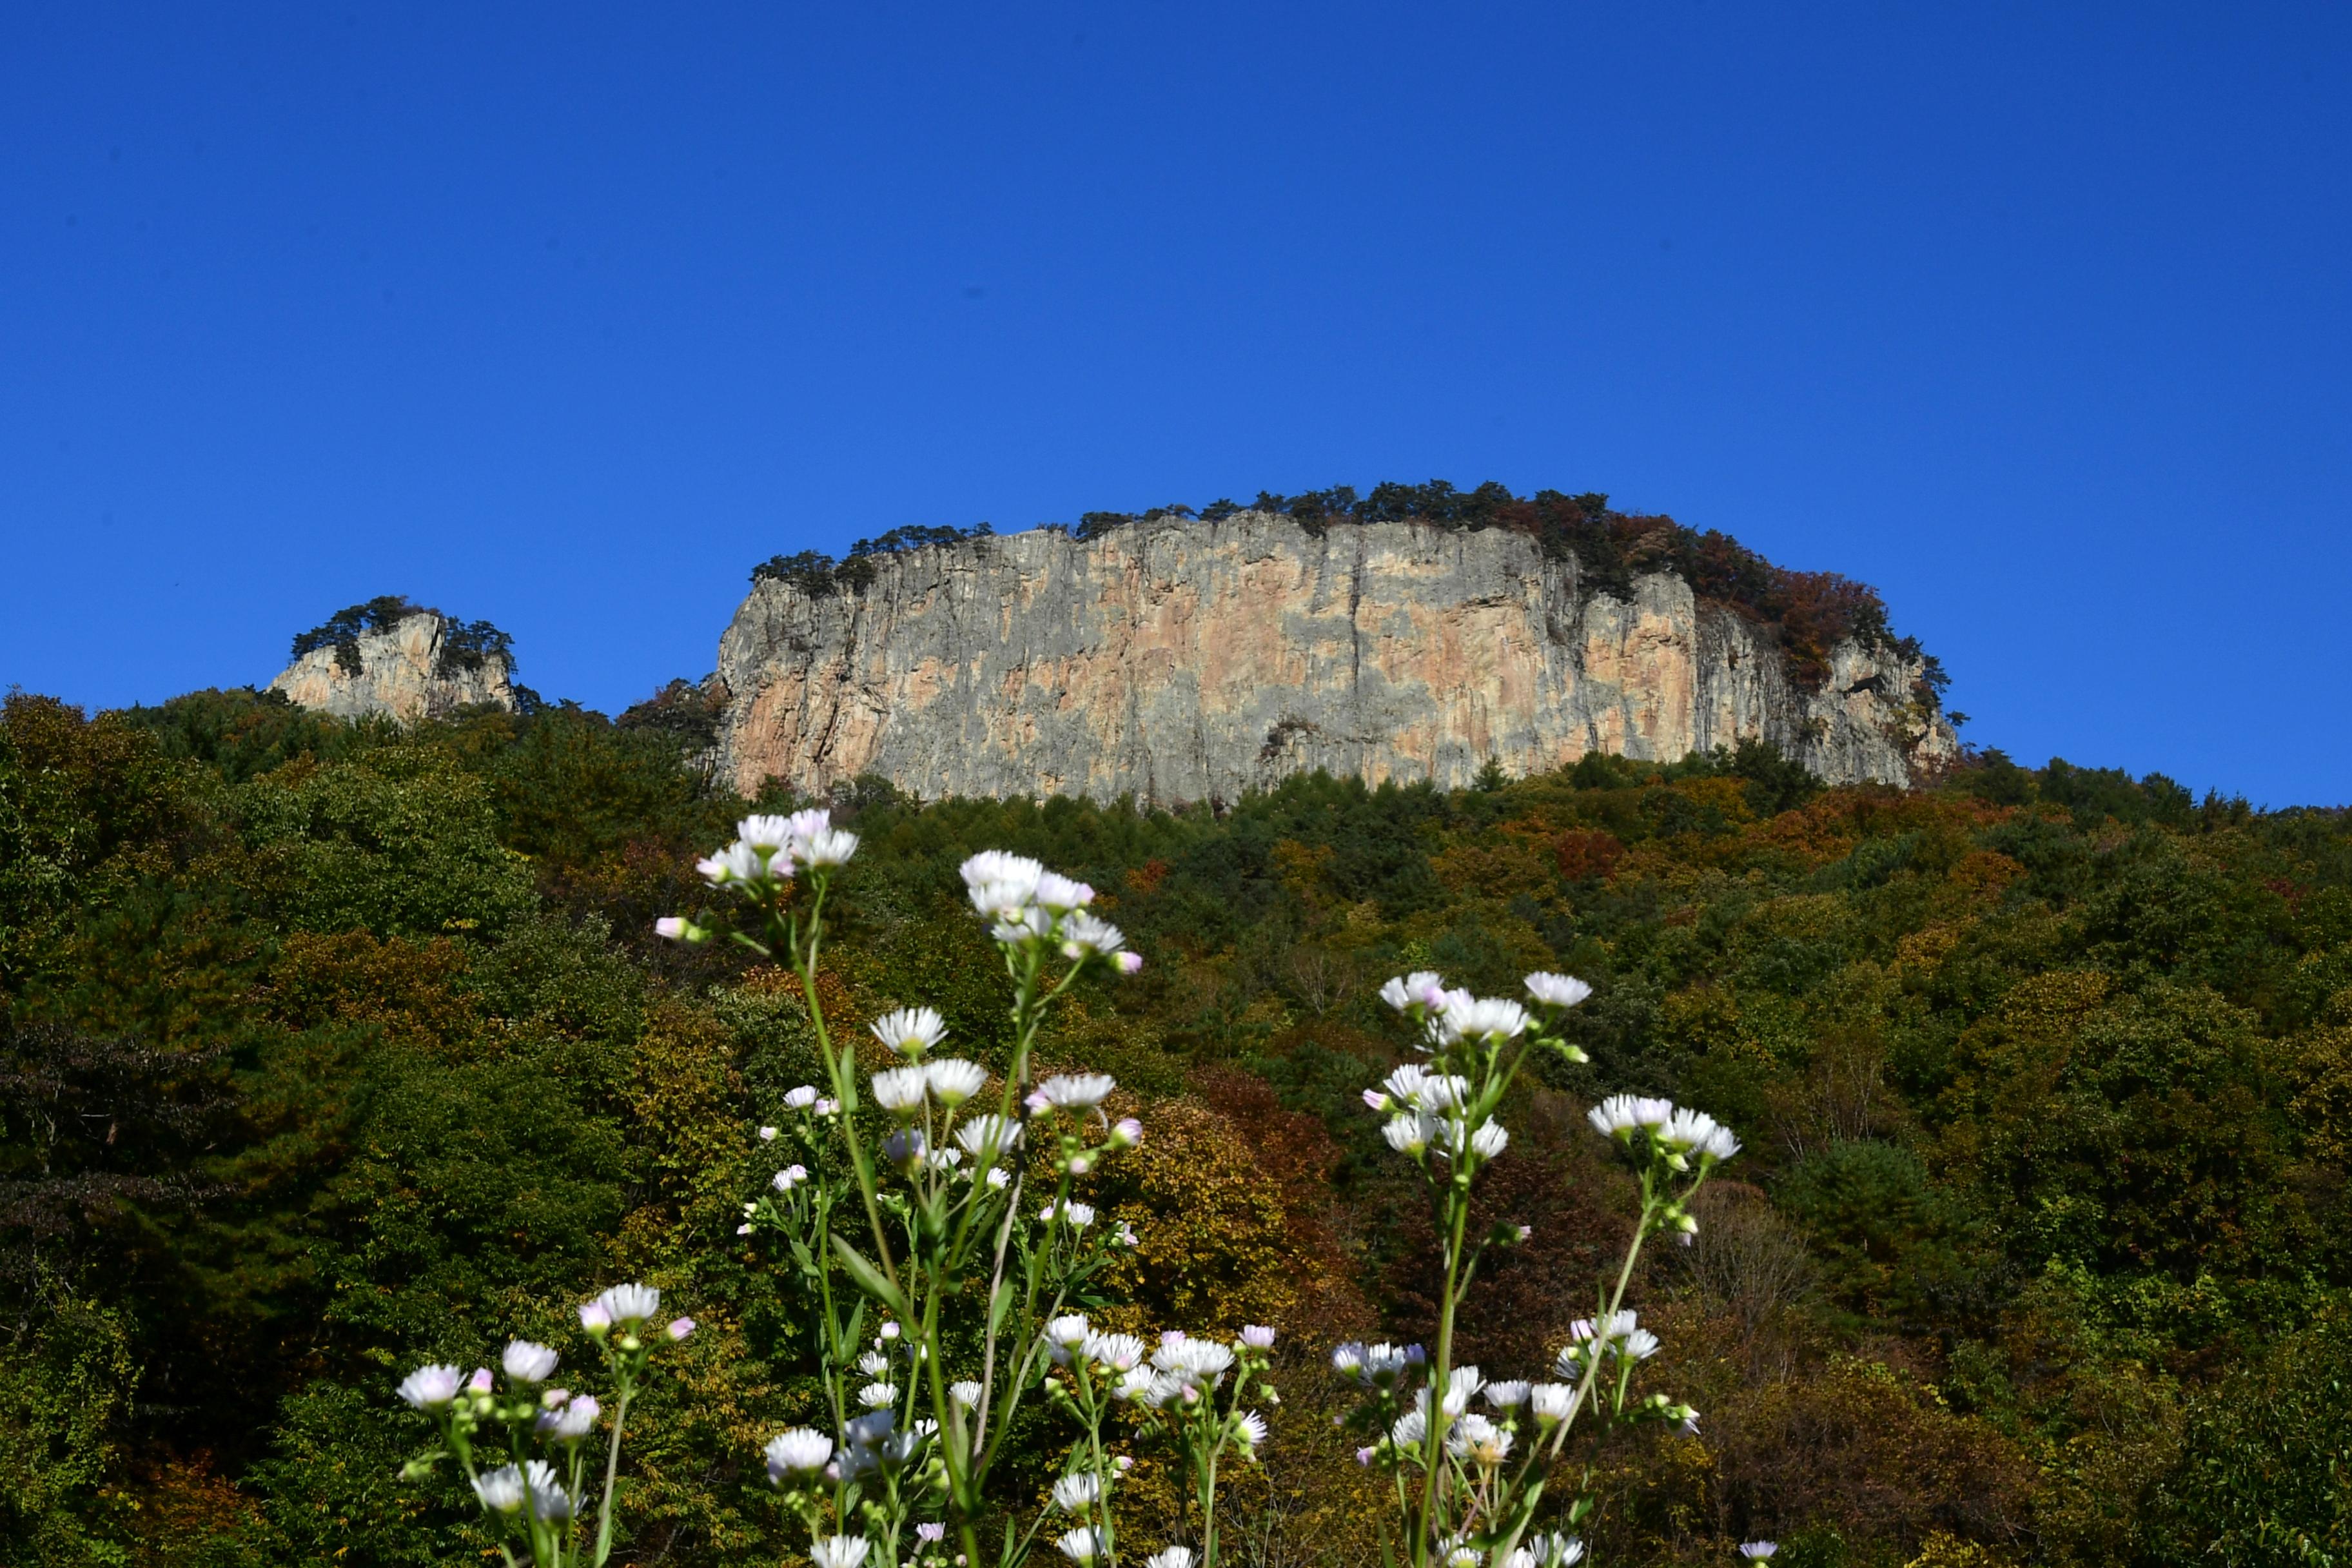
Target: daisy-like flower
431 1387
1720 1145
1757 1551
1557 990
1613 1117
1076 1493
575 1420
678 1328
1200 1359
1508 1395
1410 1132
830 847
527 1363
964 1391
1407 991
767 833
596 1320
549 1500
1080 1545
1556 1549
1258 1336
1687 1131
878 1395
1249 1427
988 1133
1490 1020
1653 1113
501 1490
952 1081
800 1099
1461 1385
931 1530
838 1551
1066 1334
1001 887
1170 1557
1347 1358
1489 1140
874 1364
1077 1091
1059 895
480 1382
899 1090
1114 1352
629 1305
1475 1439
790 1176
910 1031
1639 1345
1083 933
1408 1429
1072 1212
1551 1402
739 862
1126 1133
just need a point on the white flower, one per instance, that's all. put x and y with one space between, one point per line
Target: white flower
501 1489
739 862
900 1089
965 1393
1757 1551
549 1500
1409 991
1687 1131
1000 886
1075 1215
931 1530
431 1387
1507 1395
1080 1545
1171 1557
1653 1113
768 1134
1082 933
1613 1117
1490 1019
1489 1140
629 1305
1250 1427
1077 1091
1258 1336
790 1176
1552 1400
1126 1133
800 1099
768 833
1721 1145
838 1551
1347 1358
1114 1352
910 1031
1065 1334
1409 1430
1073 1494
1127 961
671 928
527 1363
988 1135
1641 1344
575 1420
1461 1385
830 847
1556 1549
1059 895
997 1179
1410 1132
1557 990
1479 1440
1201 1359
874 1364
952 1081
878 1395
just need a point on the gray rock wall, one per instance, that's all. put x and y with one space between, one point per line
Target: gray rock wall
1184 661
401 674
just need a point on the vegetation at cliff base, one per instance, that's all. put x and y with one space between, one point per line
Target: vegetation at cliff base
331 1046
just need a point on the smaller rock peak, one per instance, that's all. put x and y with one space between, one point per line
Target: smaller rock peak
404 660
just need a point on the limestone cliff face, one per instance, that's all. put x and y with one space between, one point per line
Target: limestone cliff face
401 672
1185 661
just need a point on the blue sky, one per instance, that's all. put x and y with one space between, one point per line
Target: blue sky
2036 317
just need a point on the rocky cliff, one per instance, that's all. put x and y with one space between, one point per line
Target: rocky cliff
408 669
1185 660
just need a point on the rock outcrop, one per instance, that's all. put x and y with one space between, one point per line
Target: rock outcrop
1183 661
407 671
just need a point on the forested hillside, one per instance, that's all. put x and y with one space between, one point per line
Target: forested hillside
331 1046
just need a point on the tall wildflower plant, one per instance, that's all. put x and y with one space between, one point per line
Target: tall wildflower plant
1471 1483
529 1448
930 1212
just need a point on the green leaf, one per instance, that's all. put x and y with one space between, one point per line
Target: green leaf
870 1279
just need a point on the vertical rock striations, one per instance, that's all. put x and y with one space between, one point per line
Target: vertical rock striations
1185 661
408 669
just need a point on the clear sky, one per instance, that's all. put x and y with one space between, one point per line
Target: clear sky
2038 317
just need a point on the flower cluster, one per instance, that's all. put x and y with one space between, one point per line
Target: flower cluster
539 1494
1029 907
760 864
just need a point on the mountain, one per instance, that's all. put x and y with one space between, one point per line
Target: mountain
390 656
1181 659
